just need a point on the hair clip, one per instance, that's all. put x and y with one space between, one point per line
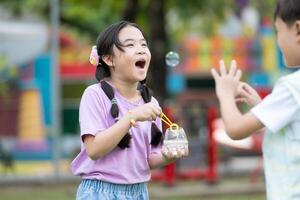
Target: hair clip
114 101
94 57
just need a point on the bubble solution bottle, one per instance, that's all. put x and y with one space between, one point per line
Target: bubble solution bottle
175 140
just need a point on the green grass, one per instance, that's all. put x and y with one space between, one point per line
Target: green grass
38 192
235 197
68 191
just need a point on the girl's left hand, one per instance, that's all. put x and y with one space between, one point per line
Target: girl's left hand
175 154
227 82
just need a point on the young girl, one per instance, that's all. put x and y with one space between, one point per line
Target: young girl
278 112
119 120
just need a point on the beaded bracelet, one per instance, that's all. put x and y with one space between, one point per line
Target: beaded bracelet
132 121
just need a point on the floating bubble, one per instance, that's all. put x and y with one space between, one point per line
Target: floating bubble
172 59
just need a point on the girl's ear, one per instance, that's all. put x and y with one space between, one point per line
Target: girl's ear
108 60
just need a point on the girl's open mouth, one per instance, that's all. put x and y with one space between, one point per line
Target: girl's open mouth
140 64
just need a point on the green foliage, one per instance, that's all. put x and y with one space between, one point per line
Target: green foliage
20 7
90 17
266 8
8 75
186 9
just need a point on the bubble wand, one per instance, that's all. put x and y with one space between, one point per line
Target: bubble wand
165 119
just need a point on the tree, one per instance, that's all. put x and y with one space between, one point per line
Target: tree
159 44
90 17
131 9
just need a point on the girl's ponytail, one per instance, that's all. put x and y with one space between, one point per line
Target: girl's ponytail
102 70
114 111
156 134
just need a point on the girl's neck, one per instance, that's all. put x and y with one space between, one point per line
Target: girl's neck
127 90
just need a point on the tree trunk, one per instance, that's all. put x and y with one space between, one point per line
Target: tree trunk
131 10
158 45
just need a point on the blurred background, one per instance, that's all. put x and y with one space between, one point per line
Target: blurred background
44 69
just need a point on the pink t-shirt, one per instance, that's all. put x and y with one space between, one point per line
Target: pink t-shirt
122 166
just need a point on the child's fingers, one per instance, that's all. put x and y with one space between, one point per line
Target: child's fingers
248 88
153 116
186 151
172 153
232 70
233 64
240 100
222 68
178 154
182 152
157 112
155 109
214 73
241 86
245 94
238 75
166 153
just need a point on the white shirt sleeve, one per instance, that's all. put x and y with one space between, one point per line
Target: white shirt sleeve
277 109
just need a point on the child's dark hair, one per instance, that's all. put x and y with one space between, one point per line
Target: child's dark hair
288 11
105 43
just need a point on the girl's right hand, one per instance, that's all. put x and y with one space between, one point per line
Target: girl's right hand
148 111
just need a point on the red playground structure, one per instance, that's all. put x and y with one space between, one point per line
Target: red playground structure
170 174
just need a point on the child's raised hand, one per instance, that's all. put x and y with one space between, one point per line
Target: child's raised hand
148 111
247 94
227 82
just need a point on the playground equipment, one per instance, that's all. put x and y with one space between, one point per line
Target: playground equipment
171 173
31 130
16 39
29 124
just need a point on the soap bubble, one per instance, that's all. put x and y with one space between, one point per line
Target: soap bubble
172 59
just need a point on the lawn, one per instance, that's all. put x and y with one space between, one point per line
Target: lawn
158 191
67 192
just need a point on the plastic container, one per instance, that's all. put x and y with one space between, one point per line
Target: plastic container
175 140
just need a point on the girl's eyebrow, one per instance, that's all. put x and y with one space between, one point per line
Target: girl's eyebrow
131 40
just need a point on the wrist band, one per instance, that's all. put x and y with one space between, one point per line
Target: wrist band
132 121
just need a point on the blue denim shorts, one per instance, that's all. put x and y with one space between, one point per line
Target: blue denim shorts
100 190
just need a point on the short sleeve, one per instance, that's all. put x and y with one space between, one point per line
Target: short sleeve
91 112
277 109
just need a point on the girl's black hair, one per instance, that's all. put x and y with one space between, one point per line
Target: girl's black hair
105 42
288 11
